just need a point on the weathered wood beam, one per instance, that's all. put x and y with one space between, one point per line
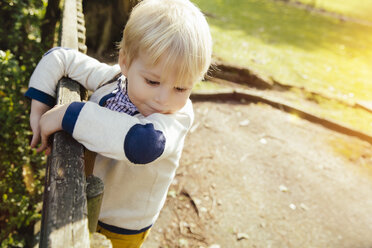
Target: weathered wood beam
71 201
64 216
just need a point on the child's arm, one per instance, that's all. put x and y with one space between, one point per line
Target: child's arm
59 62
49 123
136 139
37 110
55 64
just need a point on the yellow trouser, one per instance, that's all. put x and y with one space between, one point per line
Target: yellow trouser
124 240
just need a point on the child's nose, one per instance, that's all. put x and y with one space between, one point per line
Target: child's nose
162 96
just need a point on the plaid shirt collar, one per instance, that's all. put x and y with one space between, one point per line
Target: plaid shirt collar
120 101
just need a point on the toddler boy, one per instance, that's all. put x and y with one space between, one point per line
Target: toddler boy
138 115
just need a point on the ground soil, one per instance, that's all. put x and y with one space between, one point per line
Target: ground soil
255 176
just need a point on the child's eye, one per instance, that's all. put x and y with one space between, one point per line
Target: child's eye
179 89
152 82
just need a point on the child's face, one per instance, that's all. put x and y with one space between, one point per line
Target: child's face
146 91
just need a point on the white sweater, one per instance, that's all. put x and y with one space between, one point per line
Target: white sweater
137 156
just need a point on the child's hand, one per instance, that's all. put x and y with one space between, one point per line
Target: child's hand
37 110
50 122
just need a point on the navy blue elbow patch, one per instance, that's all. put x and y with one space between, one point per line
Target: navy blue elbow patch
143 144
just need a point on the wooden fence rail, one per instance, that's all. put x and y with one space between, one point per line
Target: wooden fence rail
65 208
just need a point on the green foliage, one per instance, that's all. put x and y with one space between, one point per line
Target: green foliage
312 49
21 168
315 51
360 9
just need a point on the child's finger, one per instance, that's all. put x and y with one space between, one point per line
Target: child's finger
44 144
35 140
48 150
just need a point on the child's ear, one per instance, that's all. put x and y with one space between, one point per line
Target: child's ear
123 62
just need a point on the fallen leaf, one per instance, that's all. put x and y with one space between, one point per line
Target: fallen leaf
240 236
304 207
203 209
244 123
183 242
172 193
263 141
215 246
292 206
283 188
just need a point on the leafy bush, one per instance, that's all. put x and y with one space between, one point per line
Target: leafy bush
21 169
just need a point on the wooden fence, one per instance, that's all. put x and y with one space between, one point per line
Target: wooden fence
68 192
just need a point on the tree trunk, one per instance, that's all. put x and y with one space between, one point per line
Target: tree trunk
105 22
52 14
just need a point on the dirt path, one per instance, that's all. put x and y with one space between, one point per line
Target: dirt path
254 176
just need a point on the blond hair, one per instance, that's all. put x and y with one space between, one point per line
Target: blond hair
174 32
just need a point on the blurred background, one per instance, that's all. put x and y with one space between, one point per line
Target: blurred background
314 54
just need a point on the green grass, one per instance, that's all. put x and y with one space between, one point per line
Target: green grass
294 46
360 9
206 86
331 109
352 150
